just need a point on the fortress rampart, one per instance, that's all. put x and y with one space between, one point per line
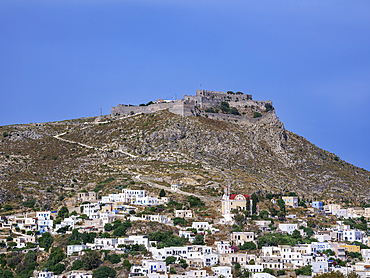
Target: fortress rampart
197 106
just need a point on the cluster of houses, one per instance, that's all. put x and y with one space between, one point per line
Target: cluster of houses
215 260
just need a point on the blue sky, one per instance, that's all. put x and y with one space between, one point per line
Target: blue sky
67 59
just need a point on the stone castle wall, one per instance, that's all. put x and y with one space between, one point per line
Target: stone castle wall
195 105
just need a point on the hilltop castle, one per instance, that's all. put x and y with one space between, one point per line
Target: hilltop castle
207 104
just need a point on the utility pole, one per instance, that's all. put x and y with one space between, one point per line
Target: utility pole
101 112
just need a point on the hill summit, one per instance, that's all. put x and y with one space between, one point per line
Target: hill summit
226 139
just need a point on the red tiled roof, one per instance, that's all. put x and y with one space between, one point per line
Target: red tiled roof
232 196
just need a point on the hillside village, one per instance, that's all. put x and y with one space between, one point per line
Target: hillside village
210 185
92 238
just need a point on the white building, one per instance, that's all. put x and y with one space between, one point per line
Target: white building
44 222
201 226
340 213
105 243
187 234
320 265
149 267
223 247
69 221
184 213
240 237
90 209
322 237
75 248
74 274
164 219
322 246
132 240
254 268
225 271
45 274
288 228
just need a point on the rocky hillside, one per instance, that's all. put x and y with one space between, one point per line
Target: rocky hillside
52 161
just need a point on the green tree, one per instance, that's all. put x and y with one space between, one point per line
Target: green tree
268 196
126 264
179 220
172 270
239 218
269 271
58 268
281 204
77 264
170 260
46 240
8 207
305 270
264 214
234 111
248 245
268 107
255 201
225 106
257 115
5 273
63 212
296 235
162 193
90 259
104 272
108 227
29 203
114 258
199 239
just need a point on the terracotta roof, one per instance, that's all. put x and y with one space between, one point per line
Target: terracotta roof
232 196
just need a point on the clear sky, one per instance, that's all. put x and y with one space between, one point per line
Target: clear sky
64 59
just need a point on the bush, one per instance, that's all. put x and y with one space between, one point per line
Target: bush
268 107
162 193
248 246
210 110
78 264
234 111
257 115
306 271
114 259
5 134
170 260
166 239
58 268
46 240
126 264
264 214
195 201
269 271
199 239
8 207
179 220
91 259
6 273
104 272
63 212
29 203
225 107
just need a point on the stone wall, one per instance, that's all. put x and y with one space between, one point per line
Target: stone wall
193 105
123 109
238 119
223 96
